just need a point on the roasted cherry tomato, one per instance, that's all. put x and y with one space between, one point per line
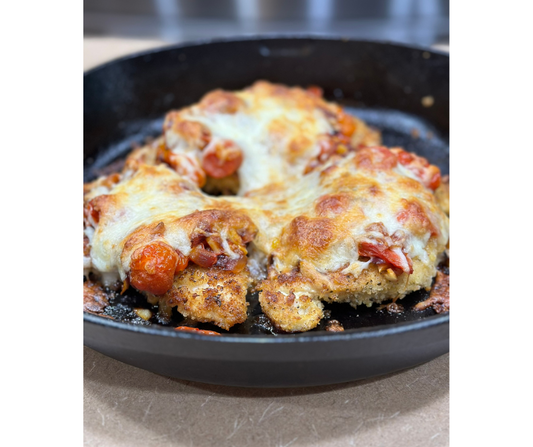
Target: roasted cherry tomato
383 252
221 158
152 268
203 257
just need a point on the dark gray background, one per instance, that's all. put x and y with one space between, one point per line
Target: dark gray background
422 22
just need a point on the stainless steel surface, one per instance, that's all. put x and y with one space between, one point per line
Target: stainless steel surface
423 22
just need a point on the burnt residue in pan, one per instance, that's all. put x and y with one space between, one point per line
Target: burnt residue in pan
132 307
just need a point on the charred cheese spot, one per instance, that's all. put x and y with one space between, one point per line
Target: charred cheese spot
193 132
411 185
220 101
374 191
414 217
309 236
330 205
377 158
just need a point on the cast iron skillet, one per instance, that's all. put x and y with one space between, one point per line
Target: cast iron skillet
403 91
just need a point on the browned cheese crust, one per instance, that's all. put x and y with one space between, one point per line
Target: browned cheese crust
318 212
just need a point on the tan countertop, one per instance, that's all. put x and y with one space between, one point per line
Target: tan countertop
126 406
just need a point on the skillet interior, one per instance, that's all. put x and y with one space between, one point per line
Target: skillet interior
398 129
383 84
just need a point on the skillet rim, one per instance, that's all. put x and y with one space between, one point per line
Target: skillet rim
258 37
347 335
382 330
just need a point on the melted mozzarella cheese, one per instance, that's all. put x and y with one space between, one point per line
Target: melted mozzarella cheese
273 210
145 198
273 193
263 131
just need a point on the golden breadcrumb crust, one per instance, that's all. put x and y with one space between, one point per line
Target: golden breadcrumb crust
210 295
326 214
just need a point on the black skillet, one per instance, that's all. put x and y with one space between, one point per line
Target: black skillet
403 91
